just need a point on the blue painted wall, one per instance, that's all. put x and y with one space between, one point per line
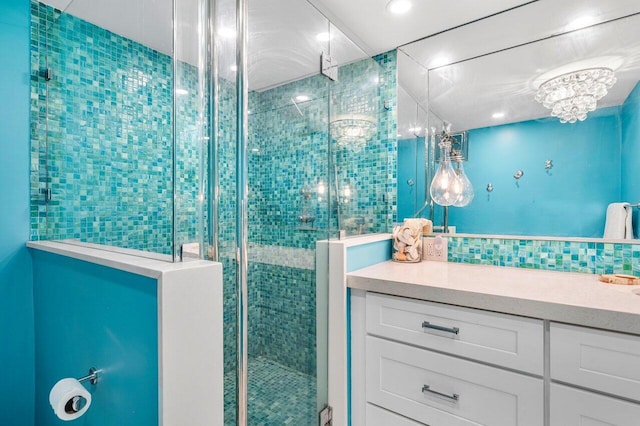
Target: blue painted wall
92 316
569 200
16 305
364 255
630 114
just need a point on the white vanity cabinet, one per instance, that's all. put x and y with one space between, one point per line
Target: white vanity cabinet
438 364
447 344
424 363
600 362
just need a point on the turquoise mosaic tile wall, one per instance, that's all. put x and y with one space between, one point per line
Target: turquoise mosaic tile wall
102 137
282 303
565 256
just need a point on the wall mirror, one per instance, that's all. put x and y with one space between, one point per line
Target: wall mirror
483 78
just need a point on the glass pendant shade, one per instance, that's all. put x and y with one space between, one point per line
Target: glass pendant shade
464 187
443 189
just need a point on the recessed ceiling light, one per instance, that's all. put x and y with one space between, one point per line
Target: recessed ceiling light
581 22
415 129
181 92
227 32
498 115
439 61
399 135
323 36
233 68
302 98
398 7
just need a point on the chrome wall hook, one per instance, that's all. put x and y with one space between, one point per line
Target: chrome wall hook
548 164
518 174
92 377
489 187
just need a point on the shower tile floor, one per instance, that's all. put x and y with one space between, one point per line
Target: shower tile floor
278 395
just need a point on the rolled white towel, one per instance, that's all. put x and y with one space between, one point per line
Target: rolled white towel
618 223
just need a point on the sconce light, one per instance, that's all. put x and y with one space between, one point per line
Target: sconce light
451 186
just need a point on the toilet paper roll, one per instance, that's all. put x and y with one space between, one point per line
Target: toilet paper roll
69 399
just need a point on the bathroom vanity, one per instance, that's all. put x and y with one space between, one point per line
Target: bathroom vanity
455 344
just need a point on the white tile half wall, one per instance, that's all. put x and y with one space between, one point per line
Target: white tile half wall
290 257
190 329
335 258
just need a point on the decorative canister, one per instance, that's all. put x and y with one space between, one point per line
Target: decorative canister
407 241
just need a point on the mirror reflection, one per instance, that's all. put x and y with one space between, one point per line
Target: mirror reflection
553 128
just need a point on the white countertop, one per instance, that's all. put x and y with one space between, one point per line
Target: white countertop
557 296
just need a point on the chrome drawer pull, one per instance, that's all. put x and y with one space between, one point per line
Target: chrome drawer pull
453 397
427 324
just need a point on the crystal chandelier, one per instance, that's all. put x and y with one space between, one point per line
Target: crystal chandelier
571 96
353 130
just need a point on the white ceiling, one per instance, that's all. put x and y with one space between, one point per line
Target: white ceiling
369 23
469 92
282 34
283 45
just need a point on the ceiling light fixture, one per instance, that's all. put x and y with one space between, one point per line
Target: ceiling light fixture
498 115
399 7
581 22
572 95
302 98
439 61
323 36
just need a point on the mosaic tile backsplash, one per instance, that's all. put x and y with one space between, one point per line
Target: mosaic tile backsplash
553 255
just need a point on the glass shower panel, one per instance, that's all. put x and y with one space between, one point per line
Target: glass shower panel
222 205
107 143
191 116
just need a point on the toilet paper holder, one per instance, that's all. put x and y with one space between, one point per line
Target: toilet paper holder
92 377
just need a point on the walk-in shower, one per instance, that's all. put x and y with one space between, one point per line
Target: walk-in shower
141 128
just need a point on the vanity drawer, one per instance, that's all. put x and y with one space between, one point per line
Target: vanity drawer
596 359
575 407
398 375
499 339
377 416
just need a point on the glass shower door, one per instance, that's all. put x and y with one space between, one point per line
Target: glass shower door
307 179
288 209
